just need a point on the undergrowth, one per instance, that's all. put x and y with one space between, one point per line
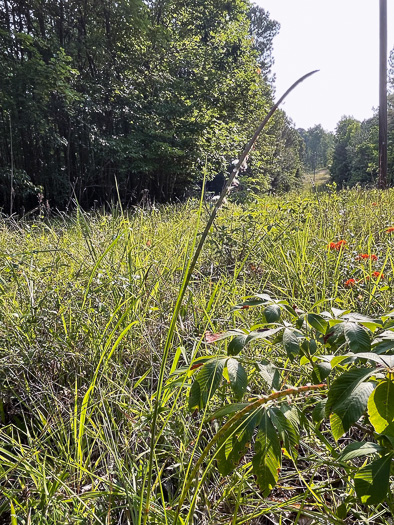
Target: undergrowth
86 301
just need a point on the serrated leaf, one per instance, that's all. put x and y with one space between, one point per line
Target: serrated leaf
357 338
372 481
359 449
335 336
270 374
236 345
350 409
234 445
267 459
292 340
227 410
272 313
205 383
317 322
287 433
344 385
318 413
366 321
238 377
263 334
381 408
321 371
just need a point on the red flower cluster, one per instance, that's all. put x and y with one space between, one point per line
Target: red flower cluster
390 230
350 283
377 275
337 245
373 257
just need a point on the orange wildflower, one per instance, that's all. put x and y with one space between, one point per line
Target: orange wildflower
367 256
350 283
337 245
390 230
377 275
374 204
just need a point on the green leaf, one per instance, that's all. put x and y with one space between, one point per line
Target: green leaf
263 334
272 313
317 322
267 459
321 371
270 374
350 409
335 336
372 481
292 340
205 383
234 445
381 408
318 413
238 377
356 450
236 345
287 433
357 338
227 410
344 385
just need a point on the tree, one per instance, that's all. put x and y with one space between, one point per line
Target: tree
318 147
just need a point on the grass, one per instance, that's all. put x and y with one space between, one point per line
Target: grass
86 303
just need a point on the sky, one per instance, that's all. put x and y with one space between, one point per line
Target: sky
341 39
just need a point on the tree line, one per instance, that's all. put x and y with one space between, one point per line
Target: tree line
103 100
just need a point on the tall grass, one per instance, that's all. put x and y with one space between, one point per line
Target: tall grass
85 306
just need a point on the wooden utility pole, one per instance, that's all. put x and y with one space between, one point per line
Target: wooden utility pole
382 183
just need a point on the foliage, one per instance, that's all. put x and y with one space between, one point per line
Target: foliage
356 151
318 148
85 304
128 99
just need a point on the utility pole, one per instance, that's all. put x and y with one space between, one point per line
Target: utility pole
382 182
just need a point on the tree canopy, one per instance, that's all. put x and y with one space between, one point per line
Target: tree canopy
132 97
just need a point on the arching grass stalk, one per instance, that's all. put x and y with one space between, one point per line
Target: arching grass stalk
229 427
187 275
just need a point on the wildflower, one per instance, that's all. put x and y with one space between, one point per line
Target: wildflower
373 257
337 245
390 230
377 275
350 283
374 204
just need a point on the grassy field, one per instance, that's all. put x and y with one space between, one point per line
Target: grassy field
86 303
320 178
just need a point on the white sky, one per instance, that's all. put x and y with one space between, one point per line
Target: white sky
341 39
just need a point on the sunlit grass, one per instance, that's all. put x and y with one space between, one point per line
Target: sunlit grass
85 306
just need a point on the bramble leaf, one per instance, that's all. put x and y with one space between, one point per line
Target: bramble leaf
206 382
268 455
238 377
372 481
381 408
357 338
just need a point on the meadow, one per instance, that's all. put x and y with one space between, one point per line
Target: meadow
86 305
